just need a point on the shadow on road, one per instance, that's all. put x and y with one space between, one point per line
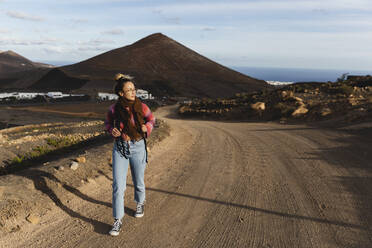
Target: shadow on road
40 180
266 211
353 154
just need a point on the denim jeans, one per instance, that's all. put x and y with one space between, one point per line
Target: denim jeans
137 161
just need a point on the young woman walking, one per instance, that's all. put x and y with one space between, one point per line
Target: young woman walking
130 122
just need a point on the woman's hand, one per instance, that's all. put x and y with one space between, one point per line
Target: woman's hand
144 128
115 132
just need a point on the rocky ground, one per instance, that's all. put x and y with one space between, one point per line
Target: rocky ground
37 161
346 101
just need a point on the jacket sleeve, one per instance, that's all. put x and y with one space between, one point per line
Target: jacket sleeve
109 122
149 119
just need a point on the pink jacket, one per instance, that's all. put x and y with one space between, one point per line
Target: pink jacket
148 118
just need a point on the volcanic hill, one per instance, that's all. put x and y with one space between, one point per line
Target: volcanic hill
15 69
162 66
13 62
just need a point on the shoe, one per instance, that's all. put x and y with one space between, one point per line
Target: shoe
140 211
115 230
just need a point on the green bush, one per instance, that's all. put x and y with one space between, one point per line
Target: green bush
18 159
59 142
346 89
285 109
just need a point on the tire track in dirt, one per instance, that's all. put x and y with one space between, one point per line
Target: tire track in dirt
299 201
197 184
216 184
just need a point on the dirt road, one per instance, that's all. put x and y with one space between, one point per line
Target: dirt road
220 184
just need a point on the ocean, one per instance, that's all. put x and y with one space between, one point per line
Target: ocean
297 75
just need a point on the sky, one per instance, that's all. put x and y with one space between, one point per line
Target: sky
321 34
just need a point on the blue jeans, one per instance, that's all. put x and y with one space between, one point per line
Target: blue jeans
137 160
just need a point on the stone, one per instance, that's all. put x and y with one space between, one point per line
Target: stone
90 180
286 94
353 101
2 189
15 229
74 165
60 168
300 111
258 106
32 218
81 159
297 99
325 111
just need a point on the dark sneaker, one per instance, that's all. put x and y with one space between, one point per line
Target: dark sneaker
140 211
115 230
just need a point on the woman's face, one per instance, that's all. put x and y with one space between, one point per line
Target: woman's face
129 91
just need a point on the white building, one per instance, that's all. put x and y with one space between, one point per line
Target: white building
20 95
31 95
107 96
142 94
278 83
6 94
55 94
27 95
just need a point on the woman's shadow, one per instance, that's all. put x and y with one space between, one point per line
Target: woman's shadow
40 178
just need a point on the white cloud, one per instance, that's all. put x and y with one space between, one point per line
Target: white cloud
26 42
173 20
291 49
157 11
167 18
116 31
92 48
5 31
79 20
277 5
208 29
154 28
95 42
23 16
75 1
53 49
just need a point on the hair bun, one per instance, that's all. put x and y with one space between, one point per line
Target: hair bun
120 76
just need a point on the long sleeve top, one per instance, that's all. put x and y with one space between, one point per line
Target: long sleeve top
149 119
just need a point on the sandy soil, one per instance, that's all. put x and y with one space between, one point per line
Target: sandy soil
225 184
43 113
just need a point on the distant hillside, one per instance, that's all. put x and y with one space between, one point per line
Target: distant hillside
56 79
163 66
17 71
13 62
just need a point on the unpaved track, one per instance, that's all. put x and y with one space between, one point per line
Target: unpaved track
218 184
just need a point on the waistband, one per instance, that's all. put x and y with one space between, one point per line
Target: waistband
136 140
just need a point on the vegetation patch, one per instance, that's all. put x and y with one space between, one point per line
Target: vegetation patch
310 101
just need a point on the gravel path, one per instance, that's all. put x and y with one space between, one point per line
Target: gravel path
221 184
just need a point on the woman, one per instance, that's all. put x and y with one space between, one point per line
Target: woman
130 122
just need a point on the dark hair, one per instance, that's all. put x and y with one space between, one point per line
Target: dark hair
120 82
